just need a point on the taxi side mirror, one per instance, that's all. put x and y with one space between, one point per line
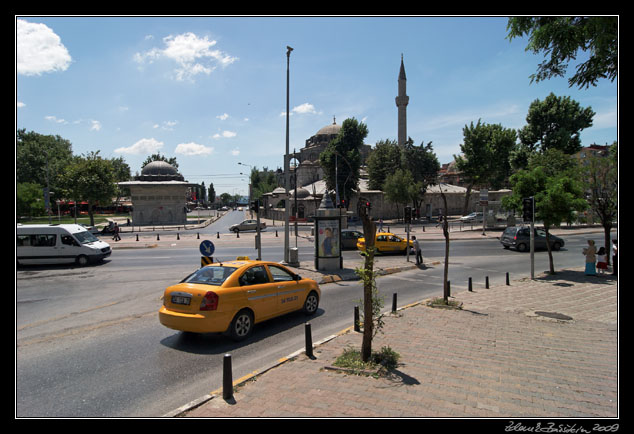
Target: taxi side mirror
297 277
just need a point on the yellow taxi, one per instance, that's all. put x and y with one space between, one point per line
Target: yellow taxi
230 297
387 242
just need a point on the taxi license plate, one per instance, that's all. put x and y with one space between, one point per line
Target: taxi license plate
179 299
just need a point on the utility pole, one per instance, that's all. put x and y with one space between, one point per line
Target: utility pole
287 174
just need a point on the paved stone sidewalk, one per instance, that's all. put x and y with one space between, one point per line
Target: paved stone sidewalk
503 355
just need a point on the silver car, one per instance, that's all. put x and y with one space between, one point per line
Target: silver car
247 225
519 238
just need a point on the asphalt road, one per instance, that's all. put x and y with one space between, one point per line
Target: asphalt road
89 343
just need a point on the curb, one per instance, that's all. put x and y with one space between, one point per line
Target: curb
180 411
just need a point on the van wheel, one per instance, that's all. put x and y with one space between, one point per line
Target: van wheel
82 260
522 247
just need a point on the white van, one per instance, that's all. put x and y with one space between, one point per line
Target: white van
57 244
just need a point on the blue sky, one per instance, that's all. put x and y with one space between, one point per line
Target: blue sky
211 91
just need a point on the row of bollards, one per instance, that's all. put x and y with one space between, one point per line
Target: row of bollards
227 375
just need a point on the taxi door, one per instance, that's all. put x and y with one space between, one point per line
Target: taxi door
260 292
290 293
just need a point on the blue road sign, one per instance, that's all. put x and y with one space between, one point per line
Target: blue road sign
207 248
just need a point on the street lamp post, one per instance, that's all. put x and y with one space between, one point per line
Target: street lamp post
286 163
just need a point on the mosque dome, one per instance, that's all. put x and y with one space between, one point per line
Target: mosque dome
302 193
329 129
160 171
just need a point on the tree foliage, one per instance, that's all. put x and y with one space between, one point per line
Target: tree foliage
341 160
562 38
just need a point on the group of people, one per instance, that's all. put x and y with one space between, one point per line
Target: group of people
598 260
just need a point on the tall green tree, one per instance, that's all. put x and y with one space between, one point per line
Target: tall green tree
90 178
600 178
341 160
422 163
159 157
553 180
485 156
554 123
562 38
400 188
383 160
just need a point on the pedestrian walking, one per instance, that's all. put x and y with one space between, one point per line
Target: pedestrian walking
590 254
116 236
602 260
417 249
380 225
615 256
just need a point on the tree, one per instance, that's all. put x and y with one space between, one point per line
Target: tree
485 156
90 178
400 188
600 179
212 193
553 180
341 160
422 163
554 123
383 160
563 37
29 200
369 283
40 160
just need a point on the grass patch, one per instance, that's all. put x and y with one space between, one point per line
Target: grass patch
440 302
379 363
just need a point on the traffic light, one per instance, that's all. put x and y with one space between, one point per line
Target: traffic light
342 203
255 206
368 205
408 214
528 209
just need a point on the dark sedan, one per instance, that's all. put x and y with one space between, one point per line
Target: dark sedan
519 238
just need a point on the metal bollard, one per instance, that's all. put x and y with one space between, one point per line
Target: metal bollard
449 288
217 234
394 302
487 282
178 237
158 238
137 237
227 378
507 279
356 319
470 285
309 341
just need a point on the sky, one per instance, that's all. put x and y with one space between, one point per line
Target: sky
211 91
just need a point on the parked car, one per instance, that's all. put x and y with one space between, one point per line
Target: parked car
349 238
518 237
231 297
473 217
247 225
387 242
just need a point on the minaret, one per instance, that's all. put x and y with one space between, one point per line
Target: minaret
401 102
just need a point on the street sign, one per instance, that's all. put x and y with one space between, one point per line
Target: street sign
207 248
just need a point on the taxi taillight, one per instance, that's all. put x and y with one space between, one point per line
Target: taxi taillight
210 301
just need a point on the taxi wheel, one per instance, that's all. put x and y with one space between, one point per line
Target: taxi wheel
311 304
241 326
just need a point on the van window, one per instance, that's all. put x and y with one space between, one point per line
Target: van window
39 240
85 237
68 240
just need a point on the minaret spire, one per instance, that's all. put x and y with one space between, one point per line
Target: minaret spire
401 102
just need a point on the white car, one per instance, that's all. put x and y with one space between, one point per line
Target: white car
473 217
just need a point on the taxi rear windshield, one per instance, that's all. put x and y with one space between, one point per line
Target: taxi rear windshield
211 275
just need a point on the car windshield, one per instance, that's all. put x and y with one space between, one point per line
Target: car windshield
212 275
85 237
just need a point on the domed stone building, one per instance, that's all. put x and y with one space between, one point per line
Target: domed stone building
159 195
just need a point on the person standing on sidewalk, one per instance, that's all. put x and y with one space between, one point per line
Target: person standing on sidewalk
614 257
419 253
590 254
116 236
602 260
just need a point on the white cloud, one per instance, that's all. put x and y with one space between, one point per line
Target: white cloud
192 54
143 146
225 135
223 117
54 119
39 49
21 104
235 152
166 125
193 149
96 125
302 109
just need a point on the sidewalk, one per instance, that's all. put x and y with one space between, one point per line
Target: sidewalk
544 348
